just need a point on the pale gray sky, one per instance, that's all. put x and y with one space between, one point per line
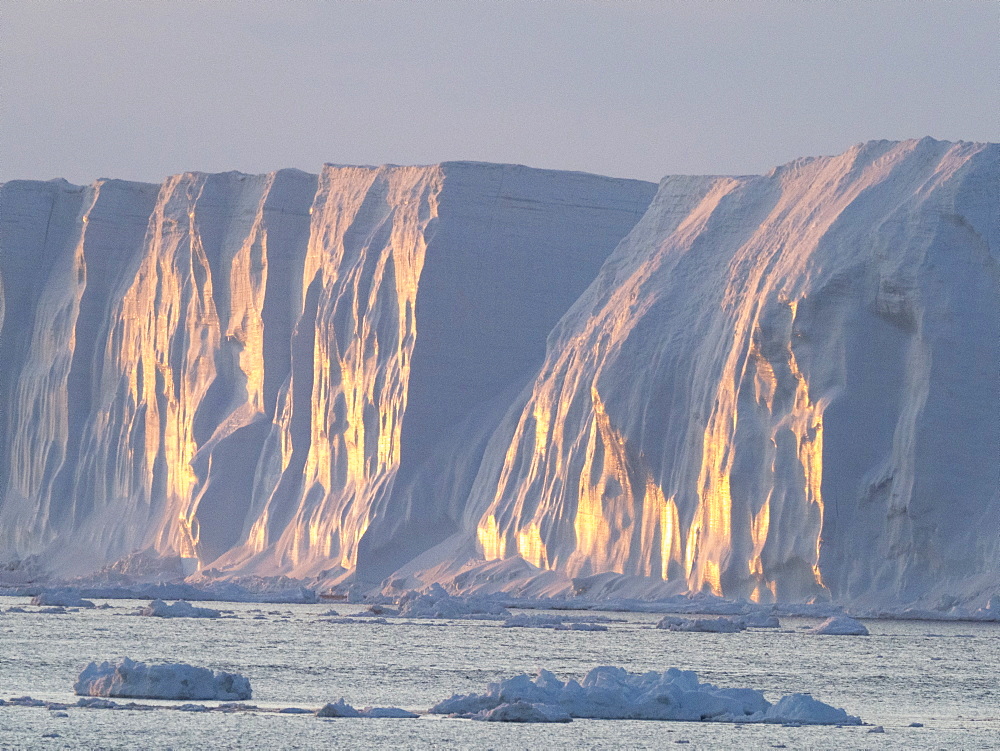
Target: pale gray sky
144 89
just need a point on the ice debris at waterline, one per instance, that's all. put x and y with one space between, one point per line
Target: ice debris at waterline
840 625
127 678
342 709
612 693
179 609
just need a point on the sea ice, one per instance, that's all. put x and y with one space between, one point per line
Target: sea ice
840 625
436 602
722 625
522 711
167 681
615 694
760 620
61 598
533 620
97 703
179 609
342 709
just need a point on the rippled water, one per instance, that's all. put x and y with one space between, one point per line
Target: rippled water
943 675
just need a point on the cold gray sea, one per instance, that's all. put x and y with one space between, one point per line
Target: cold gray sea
941 676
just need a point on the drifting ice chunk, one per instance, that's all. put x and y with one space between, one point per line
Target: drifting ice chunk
167 681
437 603
840 625
61 598
342 709
520 711
760 620
614 694
805 710
533 620
721 625
96 703
338 709
388 713
180 609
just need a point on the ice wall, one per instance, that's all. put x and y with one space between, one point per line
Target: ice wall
778 387
219 368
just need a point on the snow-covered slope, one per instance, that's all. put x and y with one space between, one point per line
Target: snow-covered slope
778 387
219 368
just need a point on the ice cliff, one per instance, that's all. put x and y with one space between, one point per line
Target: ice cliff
780 387
220 366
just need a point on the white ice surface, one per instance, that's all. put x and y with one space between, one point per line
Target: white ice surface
179 609
127 678
841 625
613 693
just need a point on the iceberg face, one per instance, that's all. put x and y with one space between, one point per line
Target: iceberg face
779 387
218 368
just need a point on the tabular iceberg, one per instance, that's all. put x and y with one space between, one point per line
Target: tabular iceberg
218 368
780 387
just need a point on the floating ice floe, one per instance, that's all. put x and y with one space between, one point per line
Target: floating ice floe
97 703
351 621
437 603
180 609
555 622
760 620
615 694
840 625
377 610
342 709
722 625
61 598
522 711
167 681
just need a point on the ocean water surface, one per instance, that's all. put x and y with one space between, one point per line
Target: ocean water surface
941 676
